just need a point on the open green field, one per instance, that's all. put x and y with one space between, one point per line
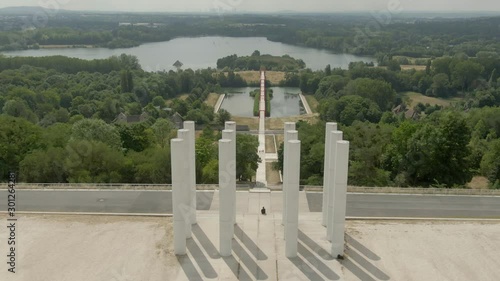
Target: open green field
415 98
250 76
275 123
181 97
412 61
279 123
251 122
212 99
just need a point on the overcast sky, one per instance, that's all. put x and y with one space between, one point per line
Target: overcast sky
261 5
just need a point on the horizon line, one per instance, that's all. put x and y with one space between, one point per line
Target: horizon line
261 12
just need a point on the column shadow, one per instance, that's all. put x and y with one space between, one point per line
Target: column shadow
249 244
188 268
201 260
239 272
358 262
305 268
314 246
248 261
317 263
361 248
205 242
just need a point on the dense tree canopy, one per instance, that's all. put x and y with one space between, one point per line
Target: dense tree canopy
72 120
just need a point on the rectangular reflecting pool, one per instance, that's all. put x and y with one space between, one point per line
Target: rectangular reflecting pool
285 102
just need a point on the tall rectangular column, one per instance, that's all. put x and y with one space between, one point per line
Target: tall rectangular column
326 185
289 126
292 199
184 135
335 136
231 126
226 176
190 125
289 136
339 207
180 194
231 169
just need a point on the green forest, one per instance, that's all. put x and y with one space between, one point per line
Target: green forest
393 144
67 120
58 122
258 62
360 34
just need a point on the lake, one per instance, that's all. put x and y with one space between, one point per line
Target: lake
203 52
285 102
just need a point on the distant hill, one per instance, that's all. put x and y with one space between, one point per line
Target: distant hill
23 10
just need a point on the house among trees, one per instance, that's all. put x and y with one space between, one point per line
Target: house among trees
408 113
177 120
131 119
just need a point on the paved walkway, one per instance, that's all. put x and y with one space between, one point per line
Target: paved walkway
219 103
306 104
258 245
260 176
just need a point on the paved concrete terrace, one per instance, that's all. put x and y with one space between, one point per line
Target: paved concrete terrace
258 246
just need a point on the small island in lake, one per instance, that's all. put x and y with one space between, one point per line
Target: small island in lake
257 62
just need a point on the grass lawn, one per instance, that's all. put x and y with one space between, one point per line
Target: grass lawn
254 76
181 97
478 183
270 148
274 123
279 123
212 99
415 98
416 67
251 122
272 176
279 140
313 103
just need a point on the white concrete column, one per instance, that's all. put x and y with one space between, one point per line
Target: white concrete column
231 126
341 173
335 136
231 169
190 125
179 194
292 199
184 135
289 135
289 126
329 128
226 176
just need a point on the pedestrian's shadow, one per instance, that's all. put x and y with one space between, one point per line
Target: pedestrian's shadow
359 261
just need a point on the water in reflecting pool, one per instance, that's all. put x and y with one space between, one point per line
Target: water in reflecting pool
286 102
